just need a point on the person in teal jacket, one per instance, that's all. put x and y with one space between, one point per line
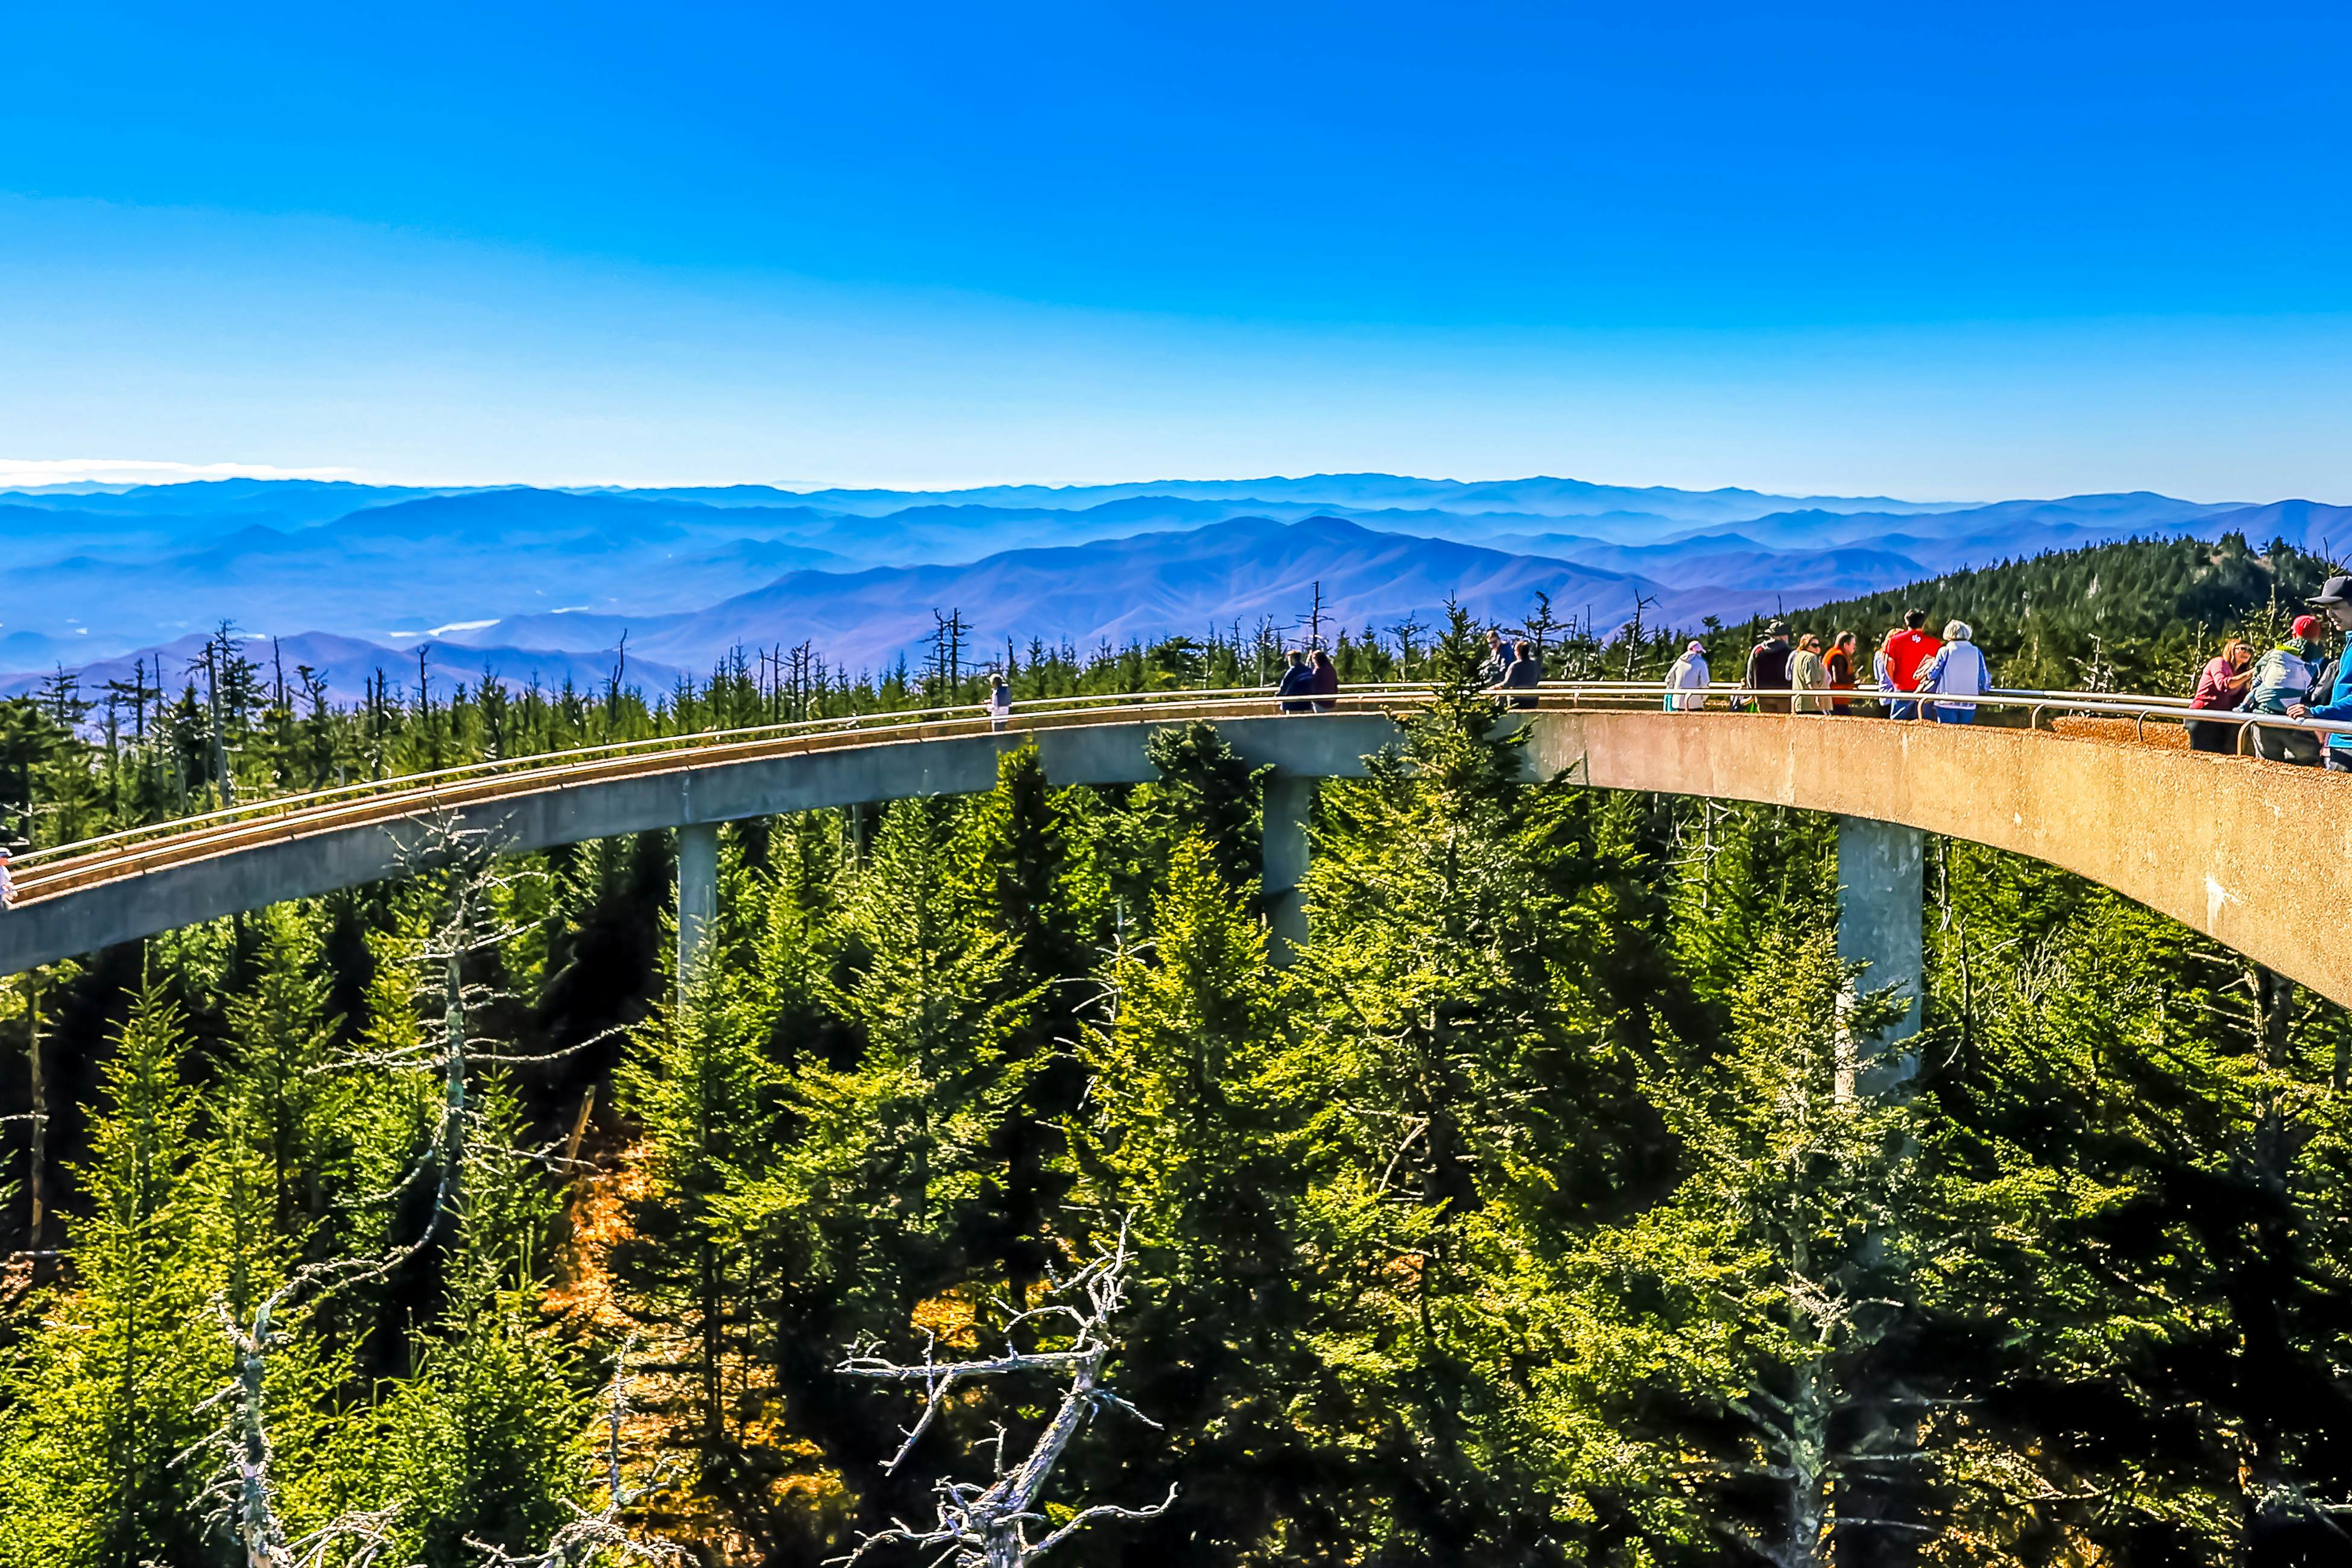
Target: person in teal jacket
2334 600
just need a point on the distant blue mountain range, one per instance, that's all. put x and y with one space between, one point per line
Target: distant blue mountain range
543 582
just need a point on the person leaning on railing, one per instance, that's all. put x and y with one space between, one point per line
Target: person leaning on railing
2283 678
1524 675
1957 671
1326 682
2221 688
1297 680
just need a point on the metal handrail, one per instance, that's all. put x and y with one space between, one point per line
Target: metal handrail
542 769
535 761
554 766
2123 704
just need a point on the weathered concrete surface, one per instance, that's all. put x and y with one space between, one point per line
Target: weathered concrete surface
1879 898
2241 850
2193 836
697 891
1289 799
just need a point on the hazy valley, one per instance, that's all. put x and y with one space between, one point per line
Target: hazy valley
544 585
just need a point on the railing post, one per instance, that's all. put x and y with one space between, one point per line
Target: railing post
697 893
1880 883
1289 799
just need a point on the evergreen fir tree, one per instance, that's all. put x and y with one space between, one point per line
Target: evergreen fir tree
105 1397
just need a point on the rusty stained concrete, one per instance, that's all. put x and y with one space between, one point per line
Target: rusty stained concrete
2254 855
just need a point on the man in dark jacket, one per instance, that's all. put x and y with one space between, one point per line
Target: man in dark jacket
1297 680
1767 669
1498 660
1525 674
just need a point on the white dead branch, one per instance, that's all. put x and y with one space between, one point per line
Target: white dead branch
988 1526
585 1537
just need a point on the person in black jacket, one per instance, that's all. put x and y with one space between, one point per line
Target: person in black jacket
1525 674
1768 669
1299 681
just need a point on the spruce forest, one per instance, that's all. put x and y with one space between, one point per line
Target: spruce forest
1531 1213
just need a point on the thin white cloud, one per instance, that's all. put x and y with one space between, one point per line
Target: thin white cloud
29 473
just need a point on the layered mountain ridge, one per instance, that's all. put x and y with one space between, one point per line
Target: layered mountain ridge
534 583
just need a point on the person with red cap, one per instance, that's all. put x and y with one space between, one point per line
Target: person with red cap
2283 678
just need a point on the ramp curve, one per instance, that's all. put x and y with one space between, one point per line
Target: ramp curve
2238 851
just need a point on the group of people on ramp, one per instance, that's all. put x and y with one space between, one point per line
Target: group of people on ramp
1916 674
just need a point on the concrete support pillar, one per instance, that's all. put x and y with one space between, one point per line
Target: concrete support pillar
1879 899
1289 799
698 892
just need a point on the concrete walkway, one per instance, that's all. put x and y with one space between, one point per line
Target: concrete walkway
2242 851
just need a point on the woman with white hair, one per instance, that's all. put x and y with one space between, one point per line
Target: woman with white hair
1686 682
1959 669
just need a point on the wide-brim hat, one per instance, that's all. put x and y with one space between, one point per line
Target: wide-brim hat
2337 590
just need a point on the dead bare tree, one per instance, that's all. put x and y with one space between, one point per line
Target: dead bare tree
585 1536
242 1489
987 1526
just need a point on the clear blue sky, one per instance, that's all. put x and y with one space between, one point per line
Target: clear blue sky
1957 250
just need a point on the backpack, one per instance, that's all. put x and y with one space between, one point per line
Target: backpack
2322 682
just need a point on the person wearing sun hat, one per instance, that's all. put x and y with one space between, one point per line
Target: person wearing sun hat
2330 697
2283 678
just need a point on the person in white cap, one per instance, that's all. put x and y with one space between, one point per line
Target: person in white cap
8 883
1686 682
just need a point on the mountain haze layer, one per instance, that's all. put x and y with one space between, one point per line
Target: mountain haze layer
551 579
1241 572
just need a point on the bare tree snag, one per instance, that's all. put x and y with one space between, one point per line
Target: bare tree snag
591 1535
242 1491
987 1526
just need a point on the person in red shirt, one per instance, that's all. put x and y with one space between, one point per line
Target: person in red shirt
1907 653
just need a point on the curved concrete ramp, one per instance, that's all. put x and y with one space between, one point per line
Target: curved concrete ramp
2252 854
2240 850
80 905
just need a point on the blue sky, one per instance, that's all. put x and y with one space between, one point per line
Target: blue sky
1953 251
